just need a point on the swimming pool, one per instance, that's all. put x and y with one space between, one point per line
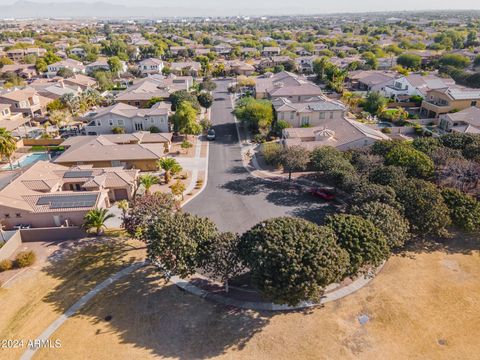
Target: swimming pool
27 160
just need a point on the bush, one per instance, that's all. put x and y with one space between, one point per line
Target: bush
6 265
424 207
415 162
387 219
464 209
387 175
366 192
271 153
24 259
366 245
291 259
332 163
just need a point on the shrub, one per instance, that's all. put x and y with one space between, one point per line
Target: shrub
415 162
6 265
291 259
424 207
366 245
271 153
387 219
464 209
332 163
366 192
387 175
24 259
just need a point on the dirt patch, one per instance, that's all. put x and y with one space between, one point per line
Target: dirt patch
411 310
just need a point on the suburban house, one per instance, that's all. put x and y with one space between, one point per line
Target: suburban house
130 118
79 80
371 80
78 51
139 150
74 65
343 134
239 68
9 121
26 101
449 99
150 66
191 68
465 121
416 84
102 65
26 71
18 54
287 85
51 195
271 51
154 87
312 112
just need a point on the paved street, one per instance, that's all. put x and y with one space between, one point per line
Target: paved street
233 198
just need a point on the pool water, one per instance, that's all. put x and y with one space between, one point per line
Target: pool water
27 160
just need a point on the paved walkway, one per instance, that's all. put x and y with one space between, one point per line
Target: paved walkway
28 354
332 295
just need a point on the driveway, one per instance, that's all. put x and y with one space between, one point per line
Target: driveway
233 198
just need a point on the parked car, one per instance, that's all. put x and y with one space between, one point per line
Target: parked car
323 193
211 134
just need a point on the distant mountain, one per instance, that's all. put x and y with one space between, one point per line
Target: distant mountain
31 9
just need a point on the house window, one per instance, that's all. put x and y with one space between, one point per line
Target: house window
291 116
138 126
99 123
116 163
110 122
137 103
120 122
7 216
305 120
18 215
331 114
322 115
474 103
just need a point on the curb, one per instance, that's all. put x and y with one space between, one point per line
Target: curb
204 185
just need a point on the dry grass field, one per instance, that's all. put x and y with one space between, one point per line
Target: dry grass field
423 305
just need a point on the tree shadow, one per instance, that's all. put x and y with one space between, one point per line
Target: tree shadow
245 187
458 242
144 311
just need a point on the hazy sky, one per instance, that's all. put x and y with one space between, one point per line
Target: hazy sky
317 5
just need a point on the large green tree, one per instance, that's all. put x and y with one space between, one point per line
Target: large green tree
464 209
415 162
185 119
257 114
294 158
292 260
387 219
178 243
424 207
365 243
8 145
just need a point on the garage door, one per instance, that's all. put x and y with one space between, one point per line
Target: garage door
120 194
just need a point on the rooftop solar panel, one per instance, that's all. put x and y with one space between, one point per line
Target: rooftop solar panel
78 174
68 201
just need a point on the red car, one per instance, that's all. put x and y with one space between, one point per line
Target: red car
322 193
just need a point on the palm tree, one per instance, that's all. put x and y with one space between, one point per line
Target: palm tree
95 219
147 181
171 167
8 145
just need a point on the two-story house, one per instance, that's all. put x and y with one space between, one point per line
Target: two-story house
25 101
271 51
416 84
150 66
449 99
312 112
130 118
76 66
